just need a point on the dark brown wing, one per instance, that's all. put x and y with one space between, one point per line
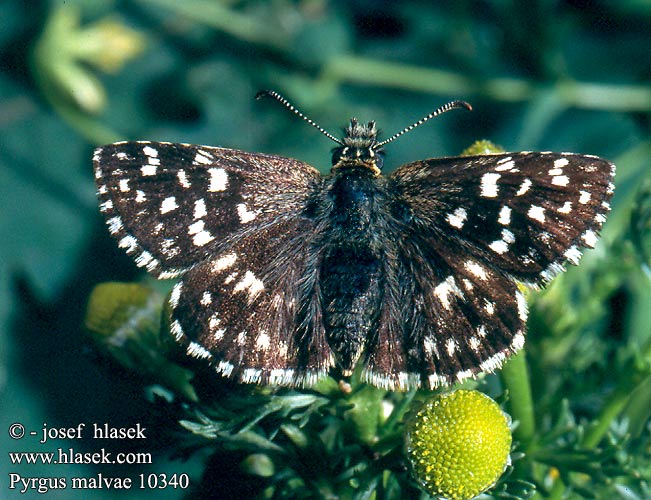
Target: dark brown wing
173 205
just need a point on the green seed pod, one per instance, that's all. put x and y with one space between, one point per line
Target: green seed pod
458 444
124 321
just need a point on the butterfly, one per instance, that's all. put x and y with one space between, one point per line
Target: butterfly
287 274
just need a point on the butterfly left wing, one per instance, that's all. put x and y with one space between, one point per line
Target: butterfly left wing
252 311
465 230
171 206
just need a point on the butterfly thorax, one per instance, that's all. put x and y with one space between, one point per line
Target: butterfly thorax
359 148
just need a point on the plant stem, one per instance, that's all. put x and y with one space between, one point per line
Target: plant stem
586 95
515 377
617 402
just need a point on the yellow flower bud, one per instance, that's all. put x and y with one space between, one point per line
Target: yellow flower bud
458 444
482 147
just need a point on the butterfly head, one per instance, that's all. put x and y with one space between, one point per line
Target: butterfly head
359 148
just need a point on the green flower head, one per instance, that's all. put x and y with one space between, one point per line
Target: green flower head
458 444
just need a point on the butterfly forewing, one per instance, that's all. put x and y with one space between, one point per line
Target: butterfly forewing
174 205
523 213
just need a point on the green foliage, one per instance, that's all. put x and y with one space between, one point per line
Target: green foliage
540 75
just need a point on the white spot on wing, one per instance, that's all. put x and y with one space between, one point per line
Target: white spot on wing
196 227
175 295
230 278
206 299
589 238
561 162
225 367
505 164
106 206
183 179
114 224
585 197
176 330
560 180
168 205
493 362
435 380
218 179
445 289
224 262
148 169
149 151
198 351
251 375
128 242
518 342
573 254
499 247
566 208
524 187
489 186
430 347
537 213
202 238
245 215
200 209
145 259
263 342
214 321
124 185
168 248
522 305
203 158
505 216
476 269
458 218
451 346
250 283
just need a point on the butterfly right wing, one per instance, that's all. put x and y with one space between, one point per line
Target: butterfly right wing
465 229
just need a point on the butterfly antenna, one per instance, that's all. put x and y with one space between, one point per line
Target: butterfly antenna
439 111
275 95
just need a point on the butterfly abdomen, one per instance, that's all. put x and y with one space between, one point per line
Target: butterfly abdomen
351 272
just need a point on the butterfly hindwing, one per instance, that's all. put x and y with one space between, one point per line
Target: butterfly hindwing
249 310
173 205
446 317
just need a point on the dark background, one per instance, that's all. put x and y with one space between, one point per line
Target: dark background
541 75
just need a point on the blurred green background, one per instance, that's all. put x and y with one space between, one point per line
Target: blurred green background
541 75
